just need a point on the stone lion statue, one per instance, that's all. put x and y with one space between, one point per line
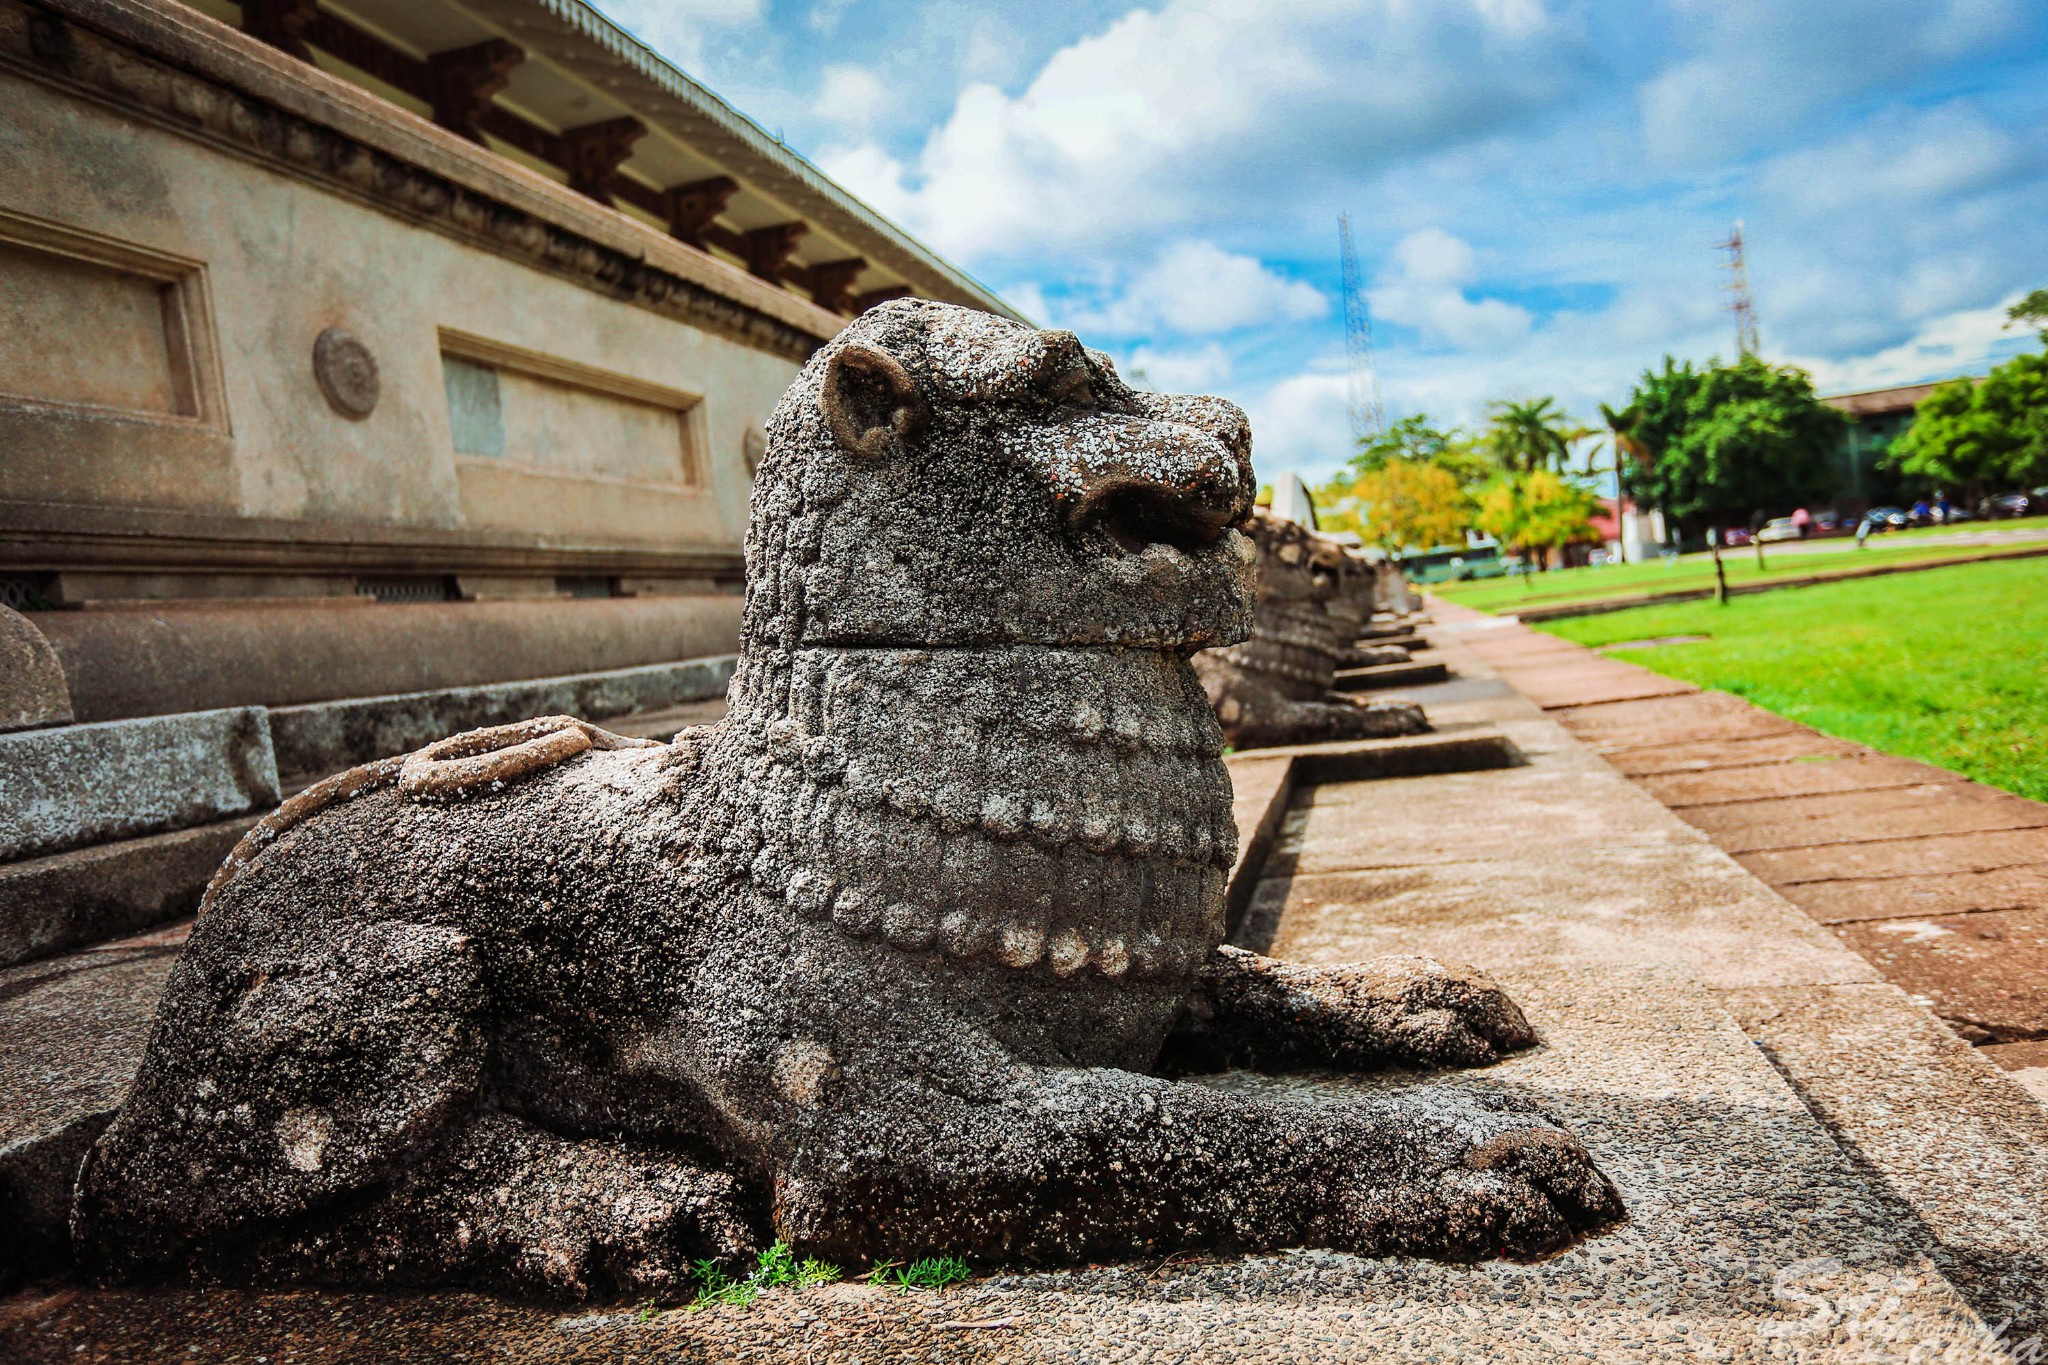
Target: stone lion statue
1363 587
1276 687
889 961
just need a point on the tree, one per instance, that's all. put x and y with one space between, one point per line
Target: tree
1537 512
1980 437
1531 434
1419 438
2032 309
1411 438
1712 445
1342 502
1401 505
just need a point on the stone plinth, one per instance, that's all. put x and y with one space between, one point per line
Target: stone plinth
88 784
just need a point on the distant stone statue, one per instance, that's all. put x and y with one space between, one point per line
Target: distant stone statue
1276 687
886 962
1361 589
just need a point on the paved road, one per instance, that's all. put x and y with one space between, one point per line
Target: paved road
1988 534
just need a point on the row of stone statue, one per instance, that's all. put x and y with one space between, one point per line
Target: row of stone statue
1316 599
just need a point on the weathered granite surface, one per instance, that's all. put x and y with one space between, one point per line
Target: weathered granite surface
1276 687
877 964
87 784
32 690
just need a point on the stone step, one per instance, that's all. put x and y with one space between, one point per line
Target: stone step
1752 1235
1415 673
324 737
71 786
1947 1132
1452 747
72 1029
66 900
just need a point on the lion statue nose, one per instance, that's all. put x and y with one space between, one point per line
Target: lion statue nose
1181 481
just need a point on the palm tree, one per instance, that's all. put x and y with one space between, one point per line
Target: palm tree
1623 425
1532 434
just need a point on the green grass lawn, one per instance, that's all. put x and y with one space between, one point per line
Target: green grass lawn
1697 570
1948 666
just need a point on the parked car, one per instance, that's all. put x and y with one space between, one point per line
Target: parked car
2007 505
1778 528
1886 518
1735 535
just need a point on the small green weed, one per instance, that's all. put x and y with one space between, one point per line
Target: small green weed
775 1268
778 1268
932 1272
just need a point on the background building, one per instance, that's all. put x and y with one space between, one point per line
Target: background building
1876 418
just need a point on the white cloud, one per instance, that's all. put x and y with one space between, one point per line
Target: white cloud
681 29
825 16
1761 66
1912 215
1968 341
850 96
1165 370
1301 423
1152 121
1897 160
1199 289
1424 287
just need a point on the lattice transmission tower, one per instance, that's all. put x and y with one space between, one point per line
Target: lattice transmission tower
1742 305
1362 387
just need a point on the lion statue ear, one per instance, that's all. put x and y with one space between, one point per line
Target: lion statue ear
870 401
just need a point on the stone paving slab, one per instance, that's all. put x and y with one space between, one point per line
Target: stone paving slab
2026 1063
1986 971
1941 883
2006 888
49 905
1495 646
1597 682
1687 718
1956 807
1935 854
1796 745
1955 1139
1801 775
1746 1218
1612 906
71 1031
1516 812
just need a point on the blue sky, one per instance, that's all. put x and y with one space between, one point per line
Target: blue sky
1537 186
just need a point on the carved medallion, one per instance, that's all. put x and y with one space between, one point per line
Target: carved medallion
346 373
